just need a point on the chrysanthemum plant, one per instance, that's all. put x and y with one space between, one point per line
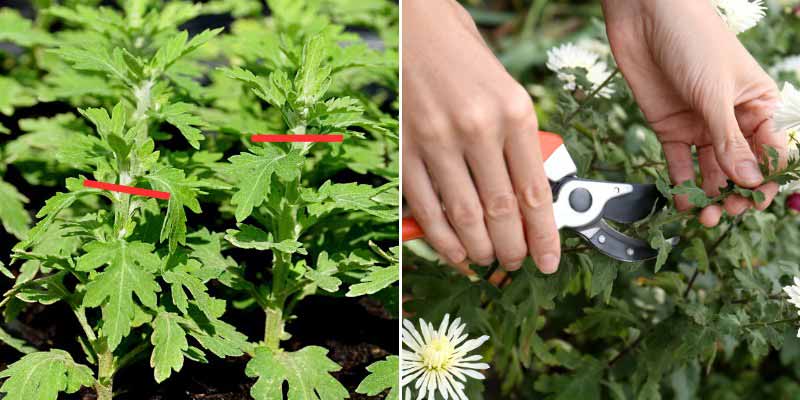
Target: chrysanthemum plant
690 324
153 109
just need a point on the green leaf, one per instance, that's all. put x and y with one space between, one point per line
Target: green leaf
180 116
18 29
307 372
13 215
696 196
251 237
604 272
183 193
376 279
14 95
43 375
313 79
697 252
323 275
583 383
98 59
383 375
169 344
52 207
130 271
16 344
351 197
253 175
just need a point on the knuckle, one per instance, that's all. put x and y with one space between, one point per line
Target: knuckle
543 240
427 216
518 109
478 121
501 205
535 197
435 128
465 213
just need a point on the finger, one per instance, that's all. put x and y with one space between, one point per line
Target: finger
770 190
681 168
710 216
535 198
714 179
730 147
502 215
462 205
427 210
735 205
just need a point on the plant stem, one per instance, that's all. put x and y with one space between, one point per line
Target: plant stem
131 355
273 327
768 323
105 375
591 96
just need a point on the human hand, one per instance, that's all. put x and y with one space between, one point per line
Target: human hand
697 85
470 143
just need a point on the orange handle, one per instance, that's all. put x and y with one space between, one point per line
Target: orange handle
548 143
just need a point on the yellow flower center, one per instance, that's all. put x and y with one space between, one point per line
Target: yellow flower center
438 353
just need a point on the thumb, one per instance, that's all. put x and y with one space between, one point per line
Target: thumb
732 150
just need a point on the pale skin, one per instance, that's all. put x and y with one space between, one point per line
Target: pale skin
473 174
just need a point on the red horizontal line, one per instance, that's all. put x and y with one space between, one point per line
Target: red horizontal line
297 138
126 189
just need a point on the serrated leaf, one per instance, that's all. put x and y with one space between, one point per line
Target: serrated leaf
307 372
583 383
251 237
98 59
383 375
17 29
322 276
43 375
13 215
169 344
183 193
180 115
16 344
376 279
313 78
129 272
253 175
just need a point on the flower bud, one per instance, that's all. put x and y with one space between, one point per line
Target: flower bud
793 202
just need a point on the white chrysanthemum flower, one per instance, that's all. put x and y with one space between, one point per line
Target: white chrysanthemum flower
787 116
740 15
793 291
569 56
438 360
787 119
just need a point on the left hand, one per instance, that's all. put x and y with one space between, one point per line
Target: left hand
698 86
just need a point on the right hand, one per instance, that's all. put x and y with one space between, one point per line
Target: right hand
470 144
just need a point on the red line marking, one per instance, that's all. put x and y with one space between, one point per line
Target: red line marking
297 138
126 189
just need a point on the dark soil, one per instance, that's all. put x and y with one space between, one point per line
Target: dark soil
354 333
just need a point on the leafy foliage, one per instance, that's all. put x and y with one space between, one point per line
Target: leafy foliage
705 319
140 101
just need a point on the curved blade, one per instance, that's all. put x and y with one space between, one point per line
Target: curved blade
634 206
617 245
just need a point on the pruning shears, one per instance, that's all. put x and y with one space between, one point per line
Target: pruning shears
584 205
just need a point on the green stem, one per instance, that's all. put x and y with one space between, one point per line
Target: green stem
131 355
105 375
768 323
591 96
273 327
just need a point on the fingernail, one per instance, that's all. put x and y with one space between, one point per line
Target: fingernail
456 256
548 263
748 171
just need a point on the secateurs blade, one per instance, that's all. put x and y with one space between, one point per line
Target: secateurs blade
585 206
